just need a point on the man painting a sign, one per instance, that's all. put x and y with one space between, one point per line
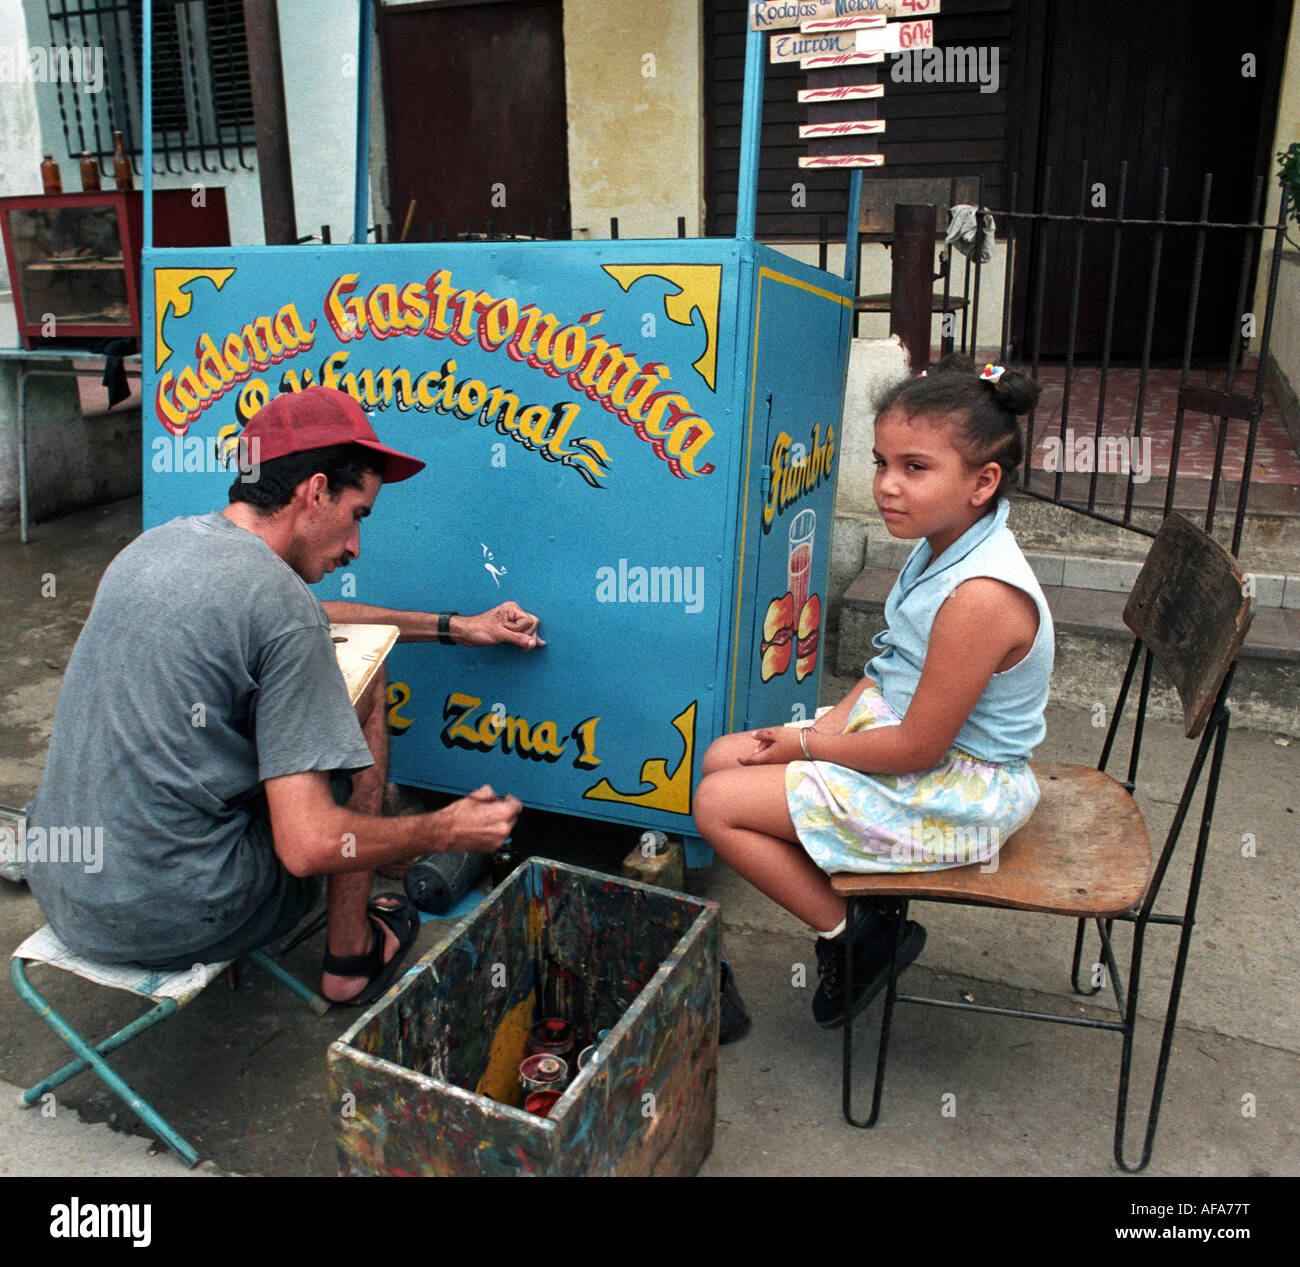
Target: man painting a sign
205 728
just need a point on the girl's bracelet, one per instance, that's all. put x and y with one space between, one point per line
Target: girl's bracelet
803 741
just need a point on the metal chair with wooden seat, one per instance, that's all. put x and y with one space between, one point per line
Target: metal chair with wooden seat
1085 853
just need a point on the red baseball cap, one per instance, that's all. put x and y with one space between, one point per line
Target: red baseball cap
316 418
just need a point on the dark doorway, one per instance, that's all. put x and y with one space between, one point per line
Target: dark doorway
1180 84
475 108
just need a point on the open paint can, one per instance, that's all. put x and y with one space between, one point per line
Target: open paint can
551 1037
542 1102
543 1073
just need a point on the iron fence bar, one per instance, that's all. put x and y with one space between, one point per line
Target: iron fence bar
1036 340
1006 281
94 106
1279 237
1106 337
1072 327
194 84
1083 510
63 114
975 294
164 133
1234 351
128 133
76 96
230 59
1188 339
1148 332
1168 224
945 341
967 348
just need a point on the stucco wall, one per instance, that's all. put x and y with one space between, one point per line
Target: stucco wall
20 141
318 49
79 459
634 80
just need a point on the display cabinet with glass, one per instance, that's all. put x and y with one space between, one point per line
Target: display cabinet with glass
74 259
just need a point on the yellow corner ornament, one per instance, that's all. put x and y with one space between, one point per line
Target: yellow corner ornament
698 286
671 792
169 293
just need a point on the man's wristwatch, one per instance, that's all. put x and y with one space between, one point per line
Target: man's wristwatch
444 627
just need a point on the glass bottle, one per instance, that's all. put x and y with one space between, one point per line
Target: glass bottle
121 163
50 179
89 173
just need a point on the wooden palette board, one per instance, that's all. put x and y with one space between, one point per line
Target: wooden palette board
361 650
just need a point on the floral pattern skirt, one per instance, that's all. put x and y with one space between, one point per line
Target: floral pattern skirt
954 815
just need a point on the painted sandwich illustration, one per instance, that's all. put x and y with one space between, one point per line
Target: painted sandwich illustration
778 634
809 638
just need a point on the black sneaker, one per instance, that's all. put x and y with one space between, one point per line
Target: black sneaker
733 1020
873 944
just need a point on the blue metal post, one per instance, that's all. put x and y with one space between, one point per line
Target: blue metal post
360 231
146 141
751 132
851 233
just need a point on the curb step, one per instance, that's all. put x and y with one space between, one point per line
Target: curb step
1092 641
1270 538
1079 570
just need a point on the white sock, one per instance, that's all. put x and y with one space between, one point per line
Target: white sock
836 931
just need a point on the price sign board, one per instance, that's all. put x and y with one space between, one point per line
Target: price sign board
797 47
777 15
842 160
844 92
896 37
855 127
843 24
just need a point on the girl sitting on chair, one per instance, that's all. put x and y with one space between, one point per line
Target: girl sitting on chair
923 765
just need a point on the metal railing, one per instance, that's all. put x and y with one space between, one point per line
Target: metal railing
203 113
1041 231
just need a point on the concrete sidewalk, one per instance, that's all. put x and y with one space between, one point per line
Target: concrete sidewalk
242 1073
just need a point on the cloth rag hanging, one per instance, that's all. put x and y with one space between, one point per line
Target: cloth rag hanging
965 225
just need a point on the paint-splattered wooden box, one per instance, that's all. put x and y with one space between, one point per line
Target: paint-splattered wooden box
426 1082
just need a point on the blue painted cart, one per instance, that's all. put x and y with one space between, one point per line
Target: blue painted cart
637 440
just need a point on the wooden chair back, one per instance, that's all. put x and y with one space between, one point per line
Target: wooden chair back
1189 607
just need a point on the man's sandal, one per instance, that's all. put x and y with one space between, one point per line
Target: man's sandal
404 921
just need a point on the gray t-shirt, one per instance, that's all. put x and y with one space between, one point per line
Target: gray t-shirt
204 668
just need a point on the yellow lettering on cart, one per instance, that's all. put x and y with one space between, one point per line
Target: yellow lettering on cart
671 792
399 695
535 741
182 395
792 480
585 733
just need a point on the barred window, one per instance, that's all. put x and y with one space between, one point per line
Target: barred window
202 97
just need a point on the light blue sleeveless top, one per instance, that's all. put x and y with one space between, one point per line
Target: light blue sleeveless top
1007 720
